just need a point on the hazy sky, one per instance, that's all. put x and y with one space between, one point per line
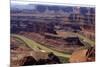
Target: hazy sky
65 2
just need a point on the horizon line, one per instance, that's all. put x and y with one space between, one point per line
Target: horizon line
50 3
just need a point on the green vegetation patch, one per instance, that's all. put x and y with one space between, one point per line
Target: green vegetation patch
32 44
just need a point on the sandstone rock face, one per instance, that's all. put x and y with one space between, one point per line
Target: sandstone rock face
78 56
85 55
